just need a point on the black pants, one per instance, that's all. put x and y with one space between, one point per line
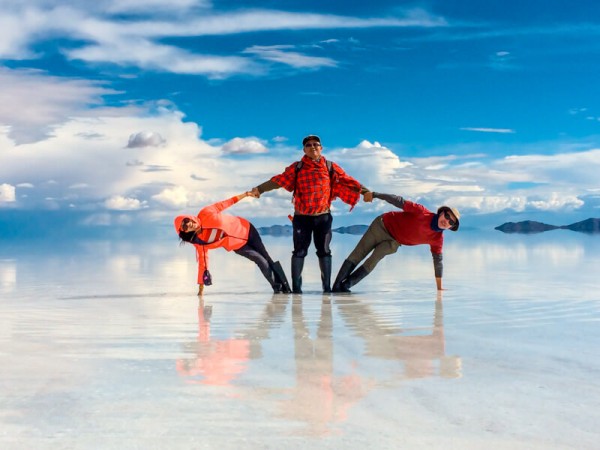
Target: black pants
256 252
305 227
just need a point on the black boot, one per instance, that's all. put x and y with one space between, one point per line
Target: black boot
297 266
280 277
325 266
354 278
346 269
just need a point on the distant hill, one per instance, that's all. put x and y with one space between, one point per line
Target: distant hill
286 230
591 226
276 230
527 226
585 226
352 229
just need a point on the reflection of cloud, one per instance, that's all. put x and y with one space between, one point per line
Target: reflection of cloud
7 193
8 274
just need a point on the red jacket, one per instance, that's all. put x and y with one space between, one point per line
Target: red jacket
412 226
235 229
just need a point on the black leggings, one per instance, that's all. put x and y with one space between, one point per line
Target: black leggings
256 252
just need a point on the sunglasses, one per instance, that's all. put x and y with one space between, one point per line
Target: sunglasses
449 219
184 224
313 144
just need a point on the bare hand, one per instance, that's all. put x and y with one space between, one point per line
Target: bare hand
254 193
368 197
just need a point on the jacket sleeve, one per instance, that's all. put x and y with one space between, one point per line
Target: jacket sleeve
395 200
413 207
438 266
202 257
267 186
219 206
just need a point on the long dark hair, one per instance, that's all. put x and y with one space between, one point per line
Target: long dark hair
191 237
187 236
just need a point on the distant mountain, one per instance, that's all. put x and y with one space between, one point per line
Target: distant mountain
528 226
352 229
591 226
276 230
585 226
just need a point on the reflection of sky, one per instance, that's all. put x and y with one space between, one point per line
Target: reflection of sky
113 331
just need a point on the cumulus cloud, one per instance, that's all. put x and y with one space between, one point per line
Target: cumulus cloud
121 203
242 146
172 167
145 139
173 197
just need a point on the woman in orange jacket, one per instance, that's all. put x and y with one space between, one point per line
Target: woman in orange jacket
210 229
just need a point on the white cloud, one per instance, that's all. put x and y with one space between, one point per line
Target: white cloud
244 146
121 203
283 55
44 101
173 197
489 130
7 193
137 41
182 171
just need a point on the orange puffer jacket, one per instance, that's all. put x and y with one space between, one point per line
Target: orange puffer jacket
209 218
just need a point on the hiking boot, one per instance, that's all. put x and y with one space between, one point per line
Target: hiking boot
346 269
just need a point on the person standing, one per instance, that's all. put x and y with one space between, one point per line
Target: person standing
211 229
414 225
314 183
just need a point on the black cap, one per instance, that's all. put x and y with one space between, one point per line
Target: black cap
311 137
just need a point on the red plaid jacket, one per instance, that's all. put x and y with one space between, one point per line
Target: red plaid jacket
314 189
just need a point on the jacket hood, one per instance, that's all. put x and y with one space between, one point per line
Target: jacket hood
179 219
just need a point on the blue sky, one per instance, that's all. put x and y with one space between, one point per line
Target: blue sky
115 113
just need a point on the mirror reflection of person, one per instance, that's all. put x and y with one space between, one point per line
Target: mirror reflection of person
220 361
420 353
319 398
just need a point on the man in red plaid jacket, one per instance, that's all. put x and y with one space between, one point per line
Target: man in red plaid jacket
315 183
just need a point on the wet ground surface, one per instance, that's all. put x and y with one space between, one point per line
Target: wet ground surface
107 346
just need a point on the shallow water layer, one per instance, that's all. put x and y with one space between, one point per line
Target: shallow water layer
105 345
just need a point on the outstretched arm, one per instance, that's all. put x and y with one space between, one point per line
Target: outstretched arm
221 206
244 195
395 200
264 187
